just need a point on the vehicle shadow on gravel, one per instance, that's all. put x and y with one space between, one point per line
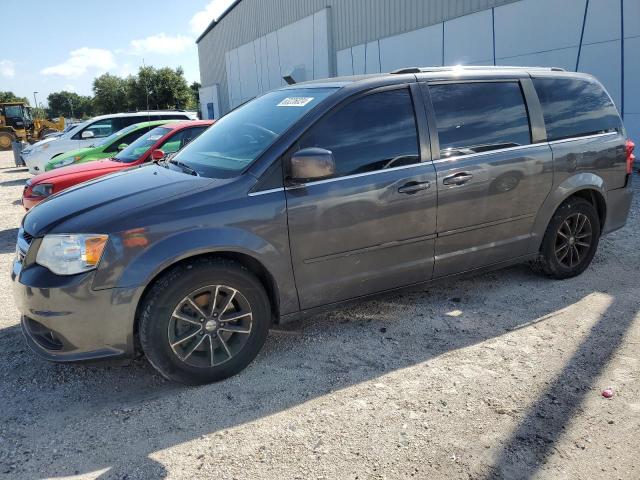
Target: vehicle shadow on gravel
13 183
533 441
8 240
53 411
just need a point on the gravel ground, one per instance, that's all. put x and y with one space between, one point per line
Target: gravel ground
496 376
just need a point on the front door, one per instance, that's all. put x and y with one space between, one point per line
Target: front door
372 226
491 179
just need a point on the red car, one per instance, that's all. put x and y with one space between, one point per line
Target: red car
156 144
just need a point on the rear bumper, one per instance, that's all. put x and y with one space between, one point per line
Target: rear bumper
64 320
618 207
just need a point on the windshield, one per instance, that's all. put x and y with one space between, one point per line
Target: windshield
14 111
138 148
239 138
112 138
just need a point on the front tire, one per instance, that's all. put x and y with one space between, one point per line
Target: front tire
204 321
571 240
5 141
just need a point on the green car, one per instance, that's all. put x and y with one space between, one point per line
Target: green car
107 148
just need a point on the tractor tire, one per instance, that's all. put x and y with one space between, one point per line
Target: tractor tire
6 139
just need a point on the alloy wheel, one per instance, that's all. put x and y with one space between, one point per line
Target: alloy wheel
210 326
573 240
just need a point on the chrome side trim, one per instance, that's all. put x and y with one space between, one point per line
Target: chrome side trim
490 152
365 174
586 137
265 192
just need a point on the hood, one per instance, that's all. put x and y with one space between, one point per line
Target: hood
42 142
95 166
92 207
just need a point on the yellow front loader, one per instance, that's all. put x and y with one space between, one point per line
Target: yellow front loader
16 123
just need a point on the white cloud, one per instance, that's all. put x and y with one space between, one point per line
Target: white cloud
162 44
69 87
81 60
201 20
7 68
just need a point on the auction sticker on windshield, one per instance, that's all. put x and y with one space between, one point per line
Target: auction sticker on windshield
295 102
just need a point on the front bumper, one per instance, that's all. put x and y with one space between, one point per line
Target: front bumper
35 162
29 202
65 320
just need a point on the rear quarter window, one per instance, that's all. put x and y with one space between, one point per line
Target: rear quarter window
575 108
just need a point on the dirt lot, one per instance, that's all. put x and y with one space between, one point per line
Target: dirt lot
498 376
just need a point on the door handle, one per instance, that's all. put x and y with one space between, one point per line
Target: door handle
413 187
457 179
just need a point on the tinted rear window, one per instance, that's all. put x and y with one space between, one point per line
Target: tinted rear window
479 117
575 108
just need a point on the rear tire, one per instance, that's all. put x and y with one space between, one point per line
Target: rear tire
571 240
204 321
5 141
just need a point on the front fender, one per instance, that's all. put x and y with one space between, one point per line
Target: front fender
132 260
559 193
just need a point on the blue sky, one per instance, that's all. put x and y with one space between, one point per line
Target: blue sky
64 44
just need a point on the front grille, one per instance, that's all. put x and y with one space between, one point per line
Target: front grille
23 244
27 237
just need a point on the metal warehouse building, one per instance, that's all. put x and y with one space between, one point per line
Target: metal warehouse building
256 43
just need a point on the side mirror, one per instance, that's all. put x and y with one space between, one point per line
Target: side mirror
88 134
311 164
157 155
122 146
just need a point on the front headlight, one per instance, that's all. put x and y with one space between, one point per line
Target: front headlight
65 162
42 190
71 254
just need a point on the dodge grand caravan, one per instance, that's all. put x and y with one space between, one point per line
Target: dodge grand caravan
318 194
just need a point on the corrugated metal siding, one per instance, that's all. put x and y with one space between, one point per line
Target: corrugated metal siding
352 22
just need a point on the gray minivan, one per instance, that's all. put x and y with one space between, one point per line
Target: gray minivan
318 194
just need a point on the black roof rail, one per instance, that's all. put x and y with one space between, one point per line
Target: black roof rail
406 70
469 67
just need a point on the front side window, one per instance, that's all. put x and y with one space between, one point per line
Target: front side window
235 141
479 117
114 136
375 132
127 139
181 139
173 144
575 107
101 128
138 148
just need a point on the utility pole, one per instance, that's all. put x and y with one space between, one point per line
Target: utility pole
71 105
35 103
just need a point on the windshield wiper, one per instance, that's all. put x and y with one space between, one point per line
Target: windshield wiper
185 168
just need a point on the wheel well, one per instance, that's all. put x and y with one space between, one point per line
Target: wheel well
253 265
596 199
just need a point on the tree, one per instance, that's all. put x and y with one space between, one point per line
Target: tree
111 94
12 97
195 94
61 104
159 89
